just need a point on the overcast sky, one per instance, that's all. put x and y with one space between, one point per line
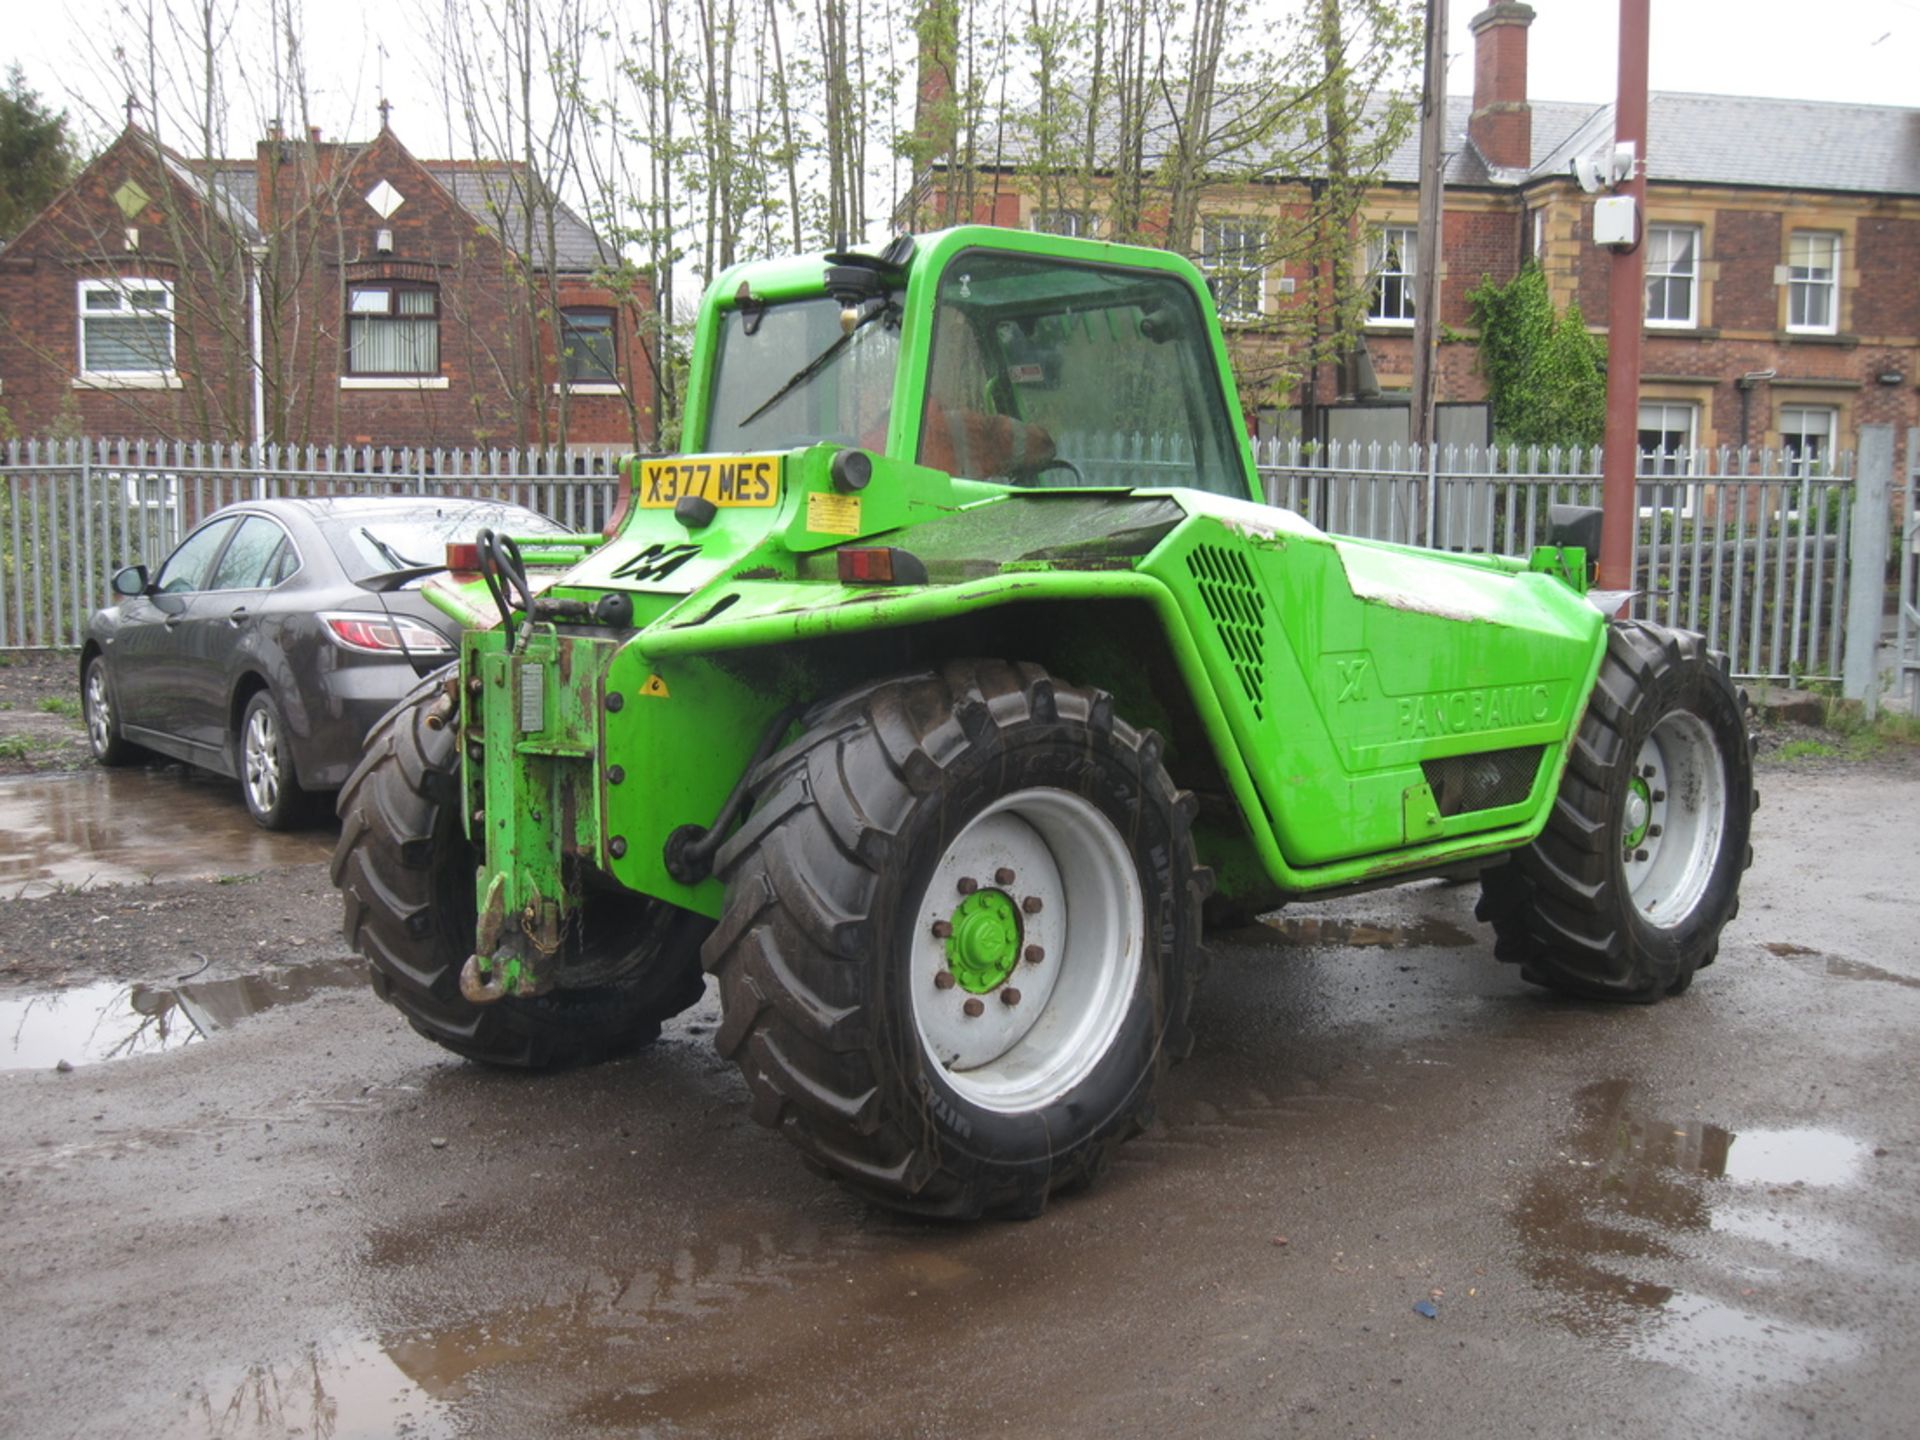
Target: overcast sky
1854 50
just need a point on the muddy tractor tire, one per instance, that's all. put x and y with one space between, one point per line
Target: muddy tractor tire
407 873
958 947
1625 893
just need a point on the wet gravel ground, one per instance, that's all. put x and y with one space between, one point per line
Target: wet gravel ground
280 1213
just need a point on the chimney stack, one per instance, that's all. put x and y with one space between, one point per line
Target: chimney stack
1501 124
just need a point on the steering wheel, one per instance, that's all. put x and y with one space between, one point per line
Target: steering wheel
1060 462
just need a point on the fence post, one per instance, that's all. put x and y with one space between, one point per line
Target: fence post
1867 558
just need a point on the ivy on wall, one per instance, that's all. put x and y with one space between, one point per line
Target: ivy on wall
1546 373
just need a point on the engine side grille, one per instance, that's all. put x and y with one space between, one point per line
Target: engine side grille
1238 608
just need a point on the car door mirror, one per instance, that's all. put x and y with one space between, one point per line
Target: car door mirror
131 581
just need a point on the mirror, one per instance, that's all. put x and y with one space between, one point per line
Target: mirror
131 581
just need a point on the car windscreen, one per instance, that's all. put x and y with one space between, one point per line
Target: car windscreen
377 541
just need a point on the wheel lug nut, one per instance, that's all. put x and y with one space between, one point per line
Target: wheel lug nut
1009 996
974 1008
1639 854
943 980
968 885
1035 954
942 929
1659 795
1003 876
1653 830
1031 905
1647 771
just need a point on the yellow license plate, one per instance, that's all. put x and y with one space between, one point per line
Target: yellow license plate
726 480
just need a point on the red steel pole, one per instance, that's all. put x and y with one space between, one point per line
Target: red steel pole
1626 314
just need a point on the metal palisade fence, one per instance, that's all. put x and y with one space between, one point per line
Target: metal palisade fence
1749 547
73 512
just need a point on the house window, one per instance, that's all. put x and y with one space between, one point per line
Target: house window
1393 259
1064 222
586 347
126 327
1666 437
1806 438
393 330
1813 282
1673 275
1230 254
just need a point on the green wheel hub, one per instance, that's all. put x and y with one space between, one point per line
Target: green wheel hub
1639 812
985 943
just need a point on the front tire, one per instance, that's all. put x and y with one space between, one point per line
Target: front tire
102 714
405 870
958 947
1625 893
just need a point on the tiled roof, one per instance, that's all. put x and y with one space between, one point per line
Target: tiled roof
1692 139
488 192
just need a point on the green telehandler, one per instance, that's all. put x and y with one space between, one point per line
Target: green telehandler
953 683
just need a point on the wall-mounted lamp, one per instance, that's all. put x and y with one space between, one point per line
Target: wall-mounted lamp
383 241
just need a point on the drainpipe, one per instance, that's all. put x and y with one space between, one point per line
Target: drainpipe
1626 312
258 255
1745 386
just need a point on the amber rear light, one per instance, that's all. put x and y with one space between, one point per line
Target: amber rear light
463 555
880 565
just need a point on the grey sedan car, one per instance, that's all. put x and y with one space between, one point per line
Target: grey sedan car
273 637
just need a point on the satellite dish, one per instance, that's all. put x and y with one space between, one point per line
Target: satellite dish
1586 169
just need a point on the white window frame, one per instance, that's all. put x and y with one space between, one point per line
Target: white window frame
164 377
1661 269
1682 460
1380 240
1227 264
1069 220
1813 279
1793 458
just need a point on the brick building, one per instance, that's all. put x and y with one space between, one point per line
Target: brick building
1782 255
390 300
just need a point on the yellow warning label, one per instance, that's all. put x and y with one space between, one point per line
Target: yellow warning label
656 687
833 514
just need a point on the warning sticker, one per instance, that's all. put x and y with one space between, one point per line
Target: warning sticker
655 687
833 514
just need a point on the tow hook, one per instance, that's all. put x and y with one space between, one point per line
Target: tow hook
476 990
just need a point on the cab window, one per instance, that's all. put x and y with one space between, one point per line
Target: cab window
1054 373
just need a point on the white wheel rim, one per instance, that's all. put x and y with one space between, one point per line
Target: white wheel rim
1089 929
1675 820
260 761
99 711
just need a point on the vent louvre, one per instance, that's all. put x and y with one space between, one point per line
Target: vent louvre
1238 608
1486 781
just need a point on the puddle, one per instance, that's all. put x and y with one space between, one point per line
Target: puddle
113 1020
1312 930
1615 1218
112 827
615 1331
1838 966
343 1388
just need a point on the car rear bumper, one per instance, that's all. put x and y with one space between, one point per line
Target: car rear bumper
350 700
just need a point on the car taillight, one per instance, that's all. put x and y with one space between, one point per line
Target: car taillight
384 635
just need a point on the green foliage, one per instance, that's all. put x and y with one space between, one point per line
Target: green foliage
59 705
1807 750
1546 375
36 154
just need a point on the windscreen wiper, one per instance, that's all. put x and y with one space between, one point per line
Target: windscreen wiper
820 362
387 553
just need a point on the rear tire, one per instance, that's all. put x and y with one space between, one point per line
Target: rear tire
406 873
873 997
267 781
1625 893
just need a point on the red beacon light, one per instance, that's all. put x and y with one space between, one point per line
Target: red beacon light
463 556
